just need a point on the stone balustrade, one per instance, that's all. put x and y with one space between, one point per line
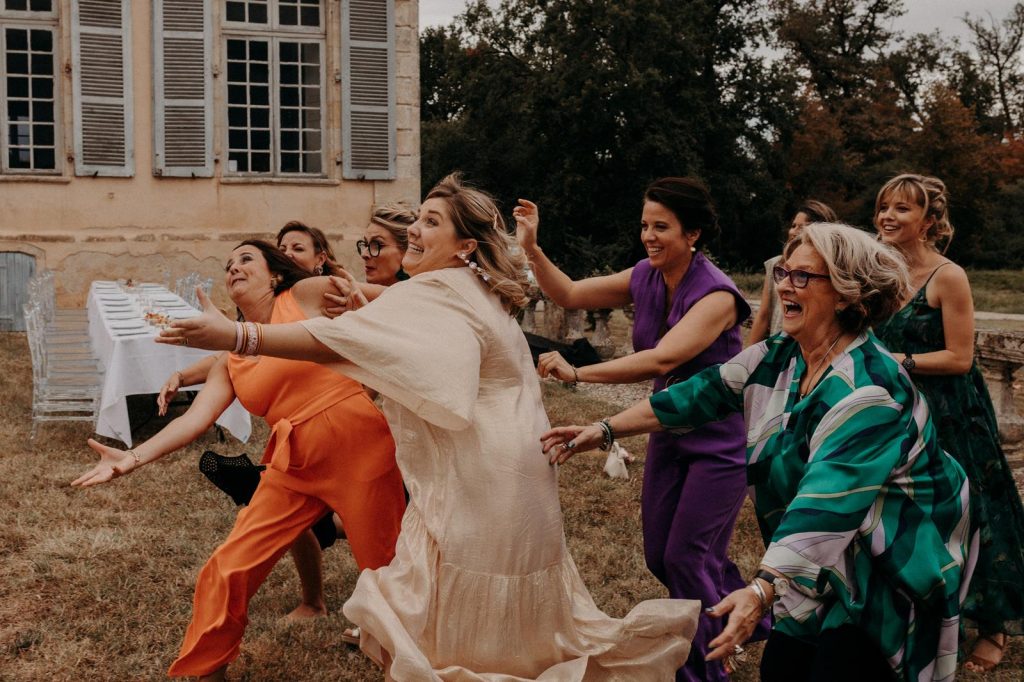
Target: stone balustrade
1000 355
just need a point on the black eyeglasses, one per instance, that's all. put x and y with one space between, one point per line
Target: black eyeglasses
799 278
372 248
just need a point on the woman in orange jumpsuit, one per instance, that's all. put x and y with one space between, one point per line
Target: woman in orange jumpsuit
329 448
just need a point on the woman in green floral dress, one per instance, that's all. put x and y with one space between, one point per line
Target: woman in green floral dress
864 516
933 336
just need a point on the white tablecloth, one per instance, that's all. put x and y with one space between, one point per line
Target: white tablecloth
135 364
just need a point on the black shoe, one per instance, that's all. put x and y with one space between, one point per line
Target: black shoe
235 476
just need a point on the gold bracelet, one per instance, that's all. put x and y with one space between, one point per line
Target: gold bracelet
135 456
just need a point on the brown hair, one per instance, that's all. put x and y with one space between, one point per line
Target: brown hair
817 211
930 194
320 244
475 216
396 219
690 202
282 266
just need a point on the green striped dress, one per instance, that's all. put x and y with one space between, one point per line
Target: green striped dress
857 504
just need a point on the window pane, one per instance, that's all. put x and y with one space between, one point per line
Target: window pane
17 134
310 16
259 139
235 11
42 112
260 118
238 162
289 140
311 97
289 97
289 52
42 64
289 74
17 110
236 49
237 94
17 5
18 158
236 117
41 5
259 94
311 53
288 16
259 52
311 120
311 163
17 39
236 72
17 87
290 118
42 134
42 88
237 139
257 13
44 158
261 163
259 73
17 62
42 41
290 163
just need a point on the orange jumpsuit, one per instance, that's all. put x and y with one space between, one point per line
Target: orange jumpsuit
330 447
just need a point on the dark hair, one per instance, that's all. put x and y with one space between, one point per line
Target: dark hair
320 243
690 202
279 264
817 211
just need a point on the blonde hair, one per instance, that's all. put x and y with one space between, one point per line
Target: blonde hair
869 276
930 194
476 216
396 219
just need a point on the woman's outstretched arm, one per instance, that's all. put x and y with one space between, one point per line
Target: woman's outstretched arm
215 397
213 331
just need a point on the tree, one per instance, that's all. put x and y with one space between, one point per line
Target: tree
998 47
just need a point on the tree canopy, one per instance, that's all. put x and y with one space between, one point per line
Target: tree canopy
579 104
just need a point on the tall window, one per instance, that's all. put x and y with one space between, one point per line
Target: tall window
28 86
275 82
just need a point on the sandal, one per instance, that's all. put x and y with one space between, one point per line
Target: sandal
350 636
984 665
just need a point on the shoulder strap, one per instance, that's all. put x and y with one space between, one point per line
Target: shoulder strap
925 285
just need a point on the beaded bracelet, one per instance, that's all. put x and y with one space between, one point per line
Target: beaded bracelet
252 339
609 434
239 337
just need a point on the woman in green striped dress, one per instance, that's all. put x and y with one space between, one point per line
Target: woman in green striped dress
864 516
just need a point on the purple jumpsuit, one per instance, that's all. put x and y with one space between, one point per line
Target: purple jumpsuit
694 483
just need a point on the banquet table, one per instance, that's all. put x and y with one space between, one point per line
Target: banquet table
133 362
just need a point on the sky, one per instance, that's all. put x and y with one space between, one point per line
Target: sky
923 16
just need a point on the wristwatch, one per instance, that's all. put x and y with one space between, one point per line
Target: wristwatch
780 586
909 363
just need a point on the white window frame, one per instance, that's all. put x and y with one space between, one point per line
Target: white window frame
274 24
274 36
32 20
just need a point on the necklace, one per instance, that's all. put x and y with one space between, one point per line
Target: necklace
810 377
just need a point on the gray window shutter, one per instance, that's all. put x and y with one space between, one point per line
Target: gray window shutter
102 78
182 89
368 89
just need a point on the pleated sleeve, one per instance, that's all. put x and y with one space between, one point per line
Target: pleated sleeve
418 344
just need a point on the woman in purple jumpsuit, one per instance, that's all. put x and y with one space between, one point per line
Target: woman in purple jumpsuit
687 317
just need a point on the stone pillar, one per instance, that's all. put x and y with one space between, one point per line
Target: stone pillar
1000 355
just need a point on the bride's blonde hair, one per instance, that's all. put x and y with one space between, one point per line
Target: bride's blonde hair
476 216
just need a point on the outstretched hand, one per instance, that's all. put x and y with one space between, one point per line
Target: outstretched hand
348 297
210 330
113 463
562 442
527 218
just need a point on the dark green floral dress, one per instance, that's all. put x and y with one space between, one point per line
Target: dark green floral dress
962 410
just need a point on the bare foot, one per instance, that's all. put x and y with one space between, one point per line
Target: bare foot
987 653
217 675
306 612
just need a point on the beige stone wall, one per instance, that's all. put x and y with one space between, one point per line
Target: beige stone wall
146 227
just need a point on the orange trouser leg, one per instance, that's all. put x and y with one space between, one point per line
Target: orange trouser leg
371 513
263 532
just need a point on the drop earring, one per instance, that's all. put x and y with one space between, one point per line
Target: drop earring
474 267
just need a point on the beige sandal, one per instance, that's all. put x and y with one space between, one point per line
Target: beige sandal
350 636
984 665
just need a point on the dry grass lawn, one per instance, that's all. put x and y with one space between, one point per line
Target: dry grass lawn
97 584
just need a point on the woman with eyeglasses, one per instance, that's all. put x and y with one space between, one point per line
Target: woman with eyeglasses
384 244
932 335
687 317
864 517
